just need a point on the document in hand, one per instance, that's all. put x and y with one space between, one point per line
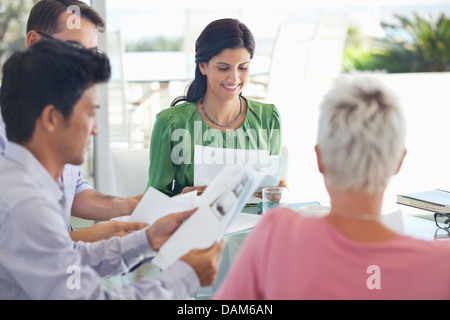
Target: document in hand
222 200
155 204
210 161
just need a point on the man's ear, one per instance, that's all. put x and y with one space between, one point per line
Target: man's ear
32 38
50 118
319 159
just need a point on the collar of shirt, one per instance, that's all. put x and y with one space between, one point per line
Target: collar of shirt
23 157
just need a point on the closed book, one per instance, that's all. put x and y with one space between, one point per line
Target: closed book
432 200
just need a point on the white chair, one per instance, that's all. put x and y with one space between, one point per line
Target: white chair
129 172
129 105
305 52
285 152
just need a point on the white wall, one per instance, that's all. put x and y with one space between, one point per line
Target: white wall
426 100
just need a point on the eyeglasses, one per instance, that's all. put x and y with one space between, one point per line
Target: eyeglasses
75 44
442 220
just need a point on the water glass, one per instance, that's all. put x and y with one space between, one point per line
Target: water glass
273 197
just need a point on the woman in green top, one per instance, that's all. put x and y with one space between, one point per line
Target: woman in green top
213 113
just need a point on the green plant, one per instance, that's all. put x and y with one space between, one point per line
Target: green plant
13 16
417 44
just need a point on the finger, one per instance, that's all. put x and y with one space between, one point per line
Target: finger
182 216
220 245
138 197
185 190
216 247
134 225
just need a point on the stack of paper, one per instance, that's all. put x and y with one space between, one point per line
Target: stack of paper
242 222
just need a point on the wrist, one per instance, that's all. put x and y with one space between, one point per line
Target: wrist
123 206
152 244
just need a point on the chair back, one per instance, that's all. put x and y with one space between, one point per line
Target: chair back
129 172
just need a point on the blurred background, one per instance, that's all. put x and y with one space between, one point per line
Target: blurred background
300 49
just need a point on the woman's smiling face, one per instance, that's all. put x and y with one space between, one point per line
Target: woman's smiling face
227 73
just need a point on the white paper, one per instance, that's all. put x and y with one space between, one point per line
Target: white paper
219 204
273 171
155 204
243 221
209 162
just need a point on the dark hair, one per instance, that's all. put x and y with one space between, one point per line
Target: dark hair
44 16
217 36
51 72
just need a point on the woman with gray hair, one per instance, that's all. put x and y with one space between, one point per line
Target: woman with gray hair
348 254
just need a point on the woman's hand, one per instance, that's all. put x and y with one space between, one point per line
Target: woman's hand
281 184
200 190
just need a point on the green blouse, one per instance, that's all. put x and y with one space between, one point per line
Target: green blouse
179 128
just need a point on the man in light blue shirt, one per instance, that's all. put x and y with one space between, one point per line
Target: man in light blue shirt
48 19
49 98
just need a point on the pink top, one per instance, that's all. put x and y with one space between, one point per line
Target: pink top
290 256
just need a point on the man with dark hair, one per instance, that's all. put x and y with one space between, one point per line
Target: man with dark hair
49 16
56 19
49 97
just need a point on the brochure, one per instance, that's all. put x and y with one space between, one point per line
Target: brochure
219 204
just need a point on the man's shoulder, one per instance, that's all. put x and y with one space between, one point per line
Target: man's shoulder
17 184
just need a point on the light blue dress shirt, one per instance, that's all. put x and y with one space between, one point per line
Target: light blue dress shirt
72 177
2 134
38 259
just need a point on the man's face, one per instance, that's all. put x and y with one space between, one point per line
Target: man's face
75 135
85 35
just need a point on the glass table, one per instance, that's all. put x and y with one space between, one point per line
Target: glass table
416 223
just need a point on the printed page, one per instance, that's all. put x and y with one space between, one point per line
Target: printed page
222 200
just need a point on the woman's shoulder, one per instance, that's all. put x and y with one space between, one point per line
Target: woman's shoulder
289 219
180 111
262 108
263 113
255 104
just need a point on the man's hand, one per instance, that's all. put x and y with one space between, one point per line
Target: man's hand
127 205
106 230
164 227
93 205
205 262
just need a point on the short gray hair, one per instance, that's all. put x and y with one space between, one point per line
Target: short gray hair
361 135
